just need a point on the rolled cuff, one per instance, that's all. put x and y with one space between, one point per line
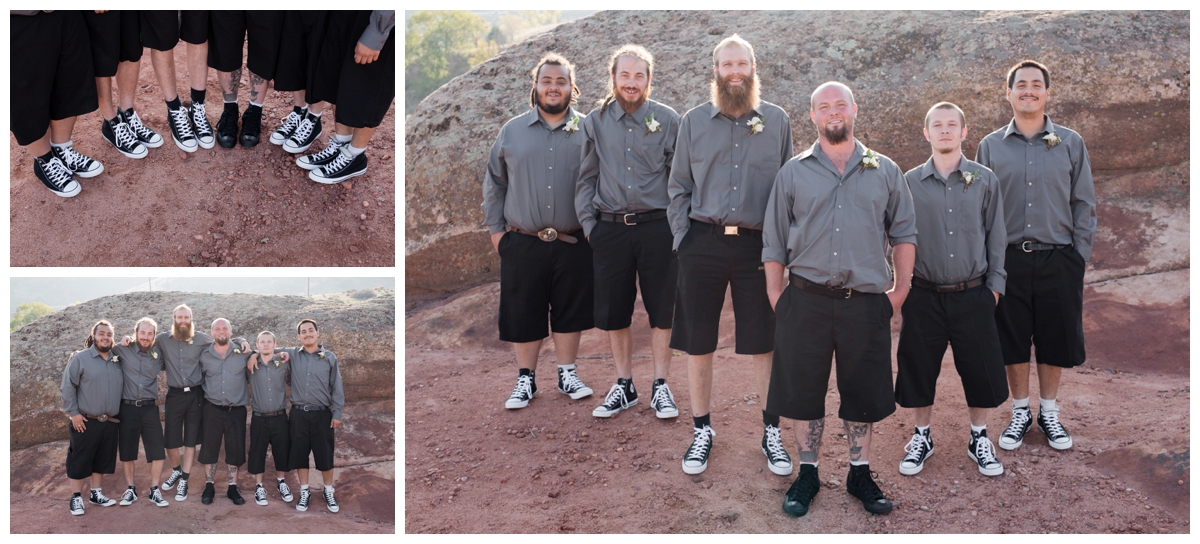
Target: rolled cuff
493 229
995 282
776 254
373 38
910 239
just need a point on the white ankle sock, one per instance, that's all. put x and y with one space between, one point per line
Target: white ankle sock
1020 403
1047 404
303 487
567 367
922 429
978 429
354 151
859 463
343 138
814 463
68 143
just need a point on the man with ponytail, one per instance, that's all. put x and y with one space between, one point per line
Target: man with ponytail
91 393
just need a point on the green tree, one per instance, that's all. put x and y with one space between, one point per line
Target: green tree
438 46
27 313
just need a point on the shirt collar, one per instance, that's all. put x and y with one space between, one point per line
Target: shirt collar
928 169
1012 127
535 117
642 112
714 110
96 353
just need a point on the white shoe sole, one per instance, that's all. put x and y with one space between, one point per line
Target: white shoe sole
694 470
666 414
106 505
180 145
93 173
1009 446
162 504
781 471
917 469
286 499
212 142
152 144
604 413
77 512
135 155
514 405
180 499
330 181
263 503
296 149
123 503
986 471
69 192
585 392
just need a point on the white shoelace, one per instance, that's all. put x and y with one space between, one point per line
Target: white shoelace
662 398
701 438
616 398
125 137
181 123
135 123
155 495
304 493
1053 427
260 493
200 119
570 381
182 489
340 162
73 159
99 496
57 172
303 127
775 443
916 448
329 498
129 495
984 452
1019 419
284 489
524 388
77 503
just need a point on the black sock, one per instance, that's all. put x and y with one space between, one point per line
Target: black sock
660 381
198 96
298 110
133 487
257 110
178 469
185 475
700 422
770 419
48 156
231 106
153 487
524 372
76 494
174 104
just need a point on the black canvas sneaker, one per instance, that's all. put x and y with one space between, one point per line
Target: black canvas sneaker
77 505
227 128
801 494
285 493
157 498
148 137
260 495
695 460
330 502
287 126
1056 434
663 402
569 383
525 390
56 176
97 497
1014 435
342 168
251 126
302 504
234 496
204 131
306 133
172 479
620 396
918 449
322 157
81 165
181 129
129 497
980 450
861 485
121 137
209 493
778 460
181 493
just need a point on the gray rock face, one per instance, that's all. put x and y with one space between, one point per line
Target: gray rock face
359 326
1121 79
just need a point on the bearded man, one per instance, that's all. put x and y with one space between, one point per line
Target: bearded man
225 391
141 364
622 203
91 393
728 152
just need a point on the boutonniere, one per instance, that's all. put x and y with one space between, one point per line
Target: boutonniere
969 178
237 350
321 354
869 160
153 354
755 124
572 125
277 360
189 341
1052 140
116 358
651 125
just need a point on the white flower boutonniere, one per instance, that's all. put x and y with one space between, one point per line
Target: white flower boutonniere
116 358
869 160
652 125
189 341
321 354
969 178
237 350
755 124
277 360
1052 140
572 125
153 354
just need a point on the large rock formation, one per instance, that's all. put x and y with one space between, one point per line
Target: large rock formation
1121 79
359 326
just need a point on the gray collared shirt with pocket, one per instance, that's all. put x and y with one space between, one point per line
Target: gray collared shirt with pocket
625 167
833 229
531 175
141 370
961 227
225 377
182 359
1048 194
268 386
722 173
316 380
91 384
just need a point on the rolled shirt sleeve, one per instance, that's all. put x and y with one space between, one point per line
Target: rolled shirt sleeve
778 219
378 29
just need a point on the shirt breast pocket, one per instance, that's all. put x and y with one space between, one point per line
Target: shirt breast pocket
871 194
652 152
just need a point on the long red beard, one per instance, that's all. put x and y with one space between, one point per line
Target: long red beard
182 334
729 98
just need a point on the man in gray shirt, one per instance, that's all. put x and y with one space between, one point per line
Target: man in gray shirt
268 378
834 210
91 394
317 401
957 281
224 365
1050 216
728 152
545 261
141 364
621 199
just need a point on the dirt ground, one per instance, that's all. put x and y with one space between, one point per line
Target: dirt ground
215 207
553 468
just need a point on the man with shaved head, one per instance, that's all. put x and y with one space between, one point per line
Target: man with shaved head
833 212
726 157
224 367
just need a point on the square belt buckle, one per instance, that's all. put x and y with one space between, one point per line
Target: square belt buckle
626 217
102 418
548 234
187 389
731 231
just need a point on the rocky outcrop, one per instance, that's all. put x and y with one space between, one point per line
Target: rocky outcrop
1121 79
359 326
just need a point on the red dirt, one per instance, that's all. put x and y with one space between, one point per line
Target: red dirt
553 468
215 207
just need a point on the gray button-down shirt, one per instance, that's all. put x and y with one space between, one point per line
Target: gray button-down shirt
625 167
182 358
225 377
268 386
721 173
316 380
961 227
91 384
141 370
531 175
833 229
1048 194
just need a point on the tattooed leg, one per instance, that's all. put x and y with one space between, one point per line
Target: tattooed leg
233 470
859 436
229 84
209 472
808 438
258 88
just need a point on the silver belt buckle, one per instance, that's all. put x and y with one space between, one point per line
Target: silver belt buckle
187 389
102 418
731 231
1025 246
548 234
626 217
848 293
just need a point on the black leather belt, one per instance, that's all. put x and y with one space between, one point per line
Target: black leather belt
268 414
225 408
949 288
633 218
549 234
729 230
831 292
1029 247
189 389
140 403
310 408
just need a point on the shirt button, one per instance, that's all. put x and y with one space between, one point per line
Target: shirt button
547 207
947 188
1030 204
552 168
1031 183
835 254
630 130
735 145
837 230
735 188
629 168
547 186
839 206
1028 226
735 166
734 209
951 210
1030 162
551 149
628 149
952 233
951 255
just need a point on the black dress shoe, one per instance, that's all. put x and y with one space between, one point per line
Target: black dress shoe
227 128
234 495
251 126
209 492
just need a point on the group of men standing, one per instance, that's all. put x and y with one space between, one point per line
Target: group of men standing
64 62
987 256
110 394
